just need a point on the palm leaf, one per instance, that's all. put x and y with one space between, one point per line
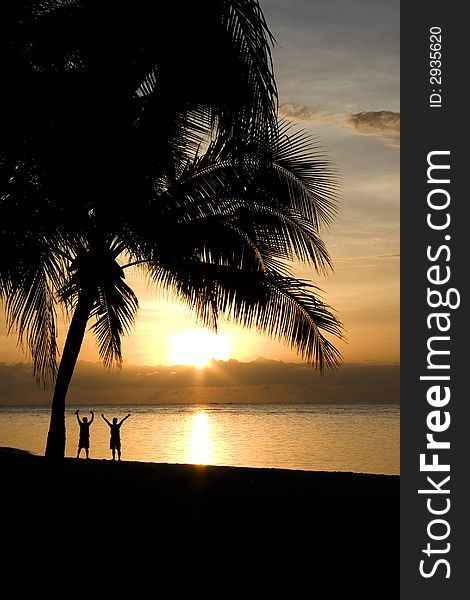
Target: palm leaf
27 290
115 311
220 193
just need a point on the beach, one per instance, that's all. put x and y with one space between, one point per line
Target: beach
171 531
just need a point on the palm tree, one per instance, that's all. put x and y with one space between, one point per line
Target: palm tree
195 183
221 236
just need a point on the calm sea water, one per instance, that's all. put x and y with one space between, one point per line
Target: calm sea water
359 438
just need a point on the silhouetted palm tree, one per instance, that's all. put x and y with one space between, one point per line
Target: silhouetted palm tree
219 235
146 152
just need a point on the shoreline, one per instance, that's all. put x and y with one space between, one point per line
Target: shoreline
363 438
155 526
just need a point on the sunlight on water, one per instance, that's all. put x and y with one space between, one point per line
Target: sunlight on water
359 438
200 445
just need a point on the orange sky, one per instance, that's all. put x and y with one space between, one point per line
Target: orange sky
325 81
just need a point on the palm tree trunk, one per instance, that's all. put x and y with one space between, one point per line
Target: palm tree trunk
55 447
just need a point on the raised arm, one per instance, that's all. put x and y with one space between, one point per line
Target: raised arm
122 420
92 417
106 419
78 418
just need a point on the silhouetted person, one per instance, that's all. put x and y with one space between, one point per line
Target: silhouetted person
84 438
115 431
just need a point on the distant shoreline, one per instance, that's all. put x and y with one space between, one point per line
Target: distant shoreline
223 382
178 404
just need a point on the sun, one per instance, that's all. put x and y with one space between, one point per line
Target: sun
197 347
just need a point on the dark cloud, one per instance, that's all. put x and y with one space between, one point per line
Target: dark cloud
383 125
224 381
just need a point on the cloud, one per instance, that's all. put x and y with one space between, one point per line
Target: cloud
309 114
232 381
383 125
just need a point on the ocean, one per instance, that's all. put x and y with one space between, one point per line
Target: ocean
360 438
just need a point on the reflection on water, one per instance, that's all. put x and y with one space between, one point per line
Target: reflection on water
360 438
200 444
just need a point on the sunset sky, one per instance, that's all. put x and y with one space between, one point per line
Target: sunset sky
337 70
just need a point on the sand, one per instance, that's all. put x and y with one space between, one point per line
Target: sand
145 530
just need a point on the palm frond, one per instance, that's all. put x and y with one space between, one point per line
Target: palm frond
304 175
32 269
275 210
251 37
115 310
30 310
